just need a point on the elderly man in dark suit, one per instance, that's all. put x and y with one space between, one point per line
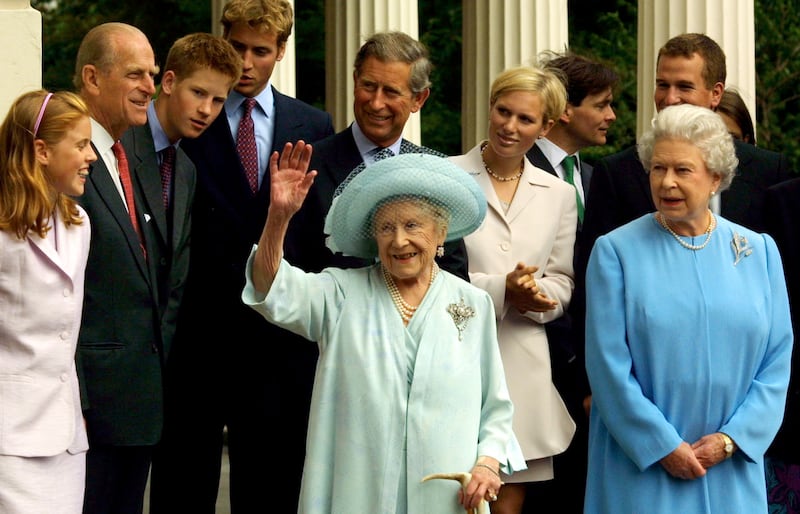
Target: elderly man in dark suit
391 81
122 343
584 123
230 369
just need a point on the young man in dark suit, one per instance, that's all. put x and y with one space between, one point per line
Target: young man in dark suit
584 123
199 73
230 368
122 342
391 79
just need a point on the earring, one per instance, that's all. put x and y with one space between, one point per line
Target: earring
713 193
440 251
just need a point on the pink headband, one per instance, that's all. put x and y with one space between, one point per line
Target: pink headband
41 114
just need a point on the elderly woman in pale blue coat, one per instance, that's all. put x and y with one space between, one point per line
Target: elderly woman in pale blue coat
409 381
688 339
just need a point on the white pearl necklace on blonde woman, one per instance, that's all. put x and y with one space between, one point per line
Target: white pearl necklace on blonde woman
405 309
712 224
495 175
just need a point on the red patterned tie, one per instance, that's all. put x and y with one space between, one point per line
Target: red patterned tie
127 187
167 166
246 145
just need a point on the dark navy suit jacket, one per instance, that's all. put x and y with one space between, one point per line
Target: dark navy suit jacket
782 222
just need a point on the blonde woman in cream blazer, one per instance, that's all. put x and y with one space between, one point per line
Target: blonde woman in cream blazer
45 154
531 219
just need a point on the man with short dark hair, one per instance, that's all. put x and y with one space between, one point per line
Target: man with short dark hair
584 123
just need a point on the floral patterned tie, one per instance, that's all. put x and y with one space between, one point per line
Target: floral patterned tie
246 144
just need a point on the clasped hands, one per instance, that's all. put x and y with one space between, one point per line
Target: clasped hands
693 461
523 293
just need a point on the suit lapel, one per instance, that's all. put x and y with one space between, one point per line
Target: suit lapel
347 156
525 194
108 194
46 247
145 165
181 195
65 259
538 159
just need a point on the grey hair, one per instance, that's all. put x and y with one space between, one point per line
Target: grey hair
398 47
701 127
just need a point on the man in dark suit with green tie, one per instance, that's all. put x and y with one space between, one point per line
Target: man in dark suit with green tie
584 123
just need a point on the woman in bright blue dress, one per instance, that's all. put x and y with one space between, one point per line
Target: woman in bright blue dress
688 339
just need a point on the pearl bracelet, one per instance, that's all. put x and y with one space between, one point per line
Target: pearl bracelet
497 473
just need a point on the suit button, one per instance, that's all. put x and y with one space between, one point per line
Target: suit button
63 377
67 293
505 246
64 335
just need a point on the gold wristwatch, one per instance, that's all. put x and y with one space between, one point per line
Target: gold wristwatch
729 447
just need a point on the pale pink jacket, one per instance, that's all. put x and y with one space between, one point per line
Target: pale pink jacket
41 300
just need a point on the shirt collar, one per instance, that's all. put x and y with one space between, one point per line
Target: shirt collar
265 99
365 146
555 154
160 138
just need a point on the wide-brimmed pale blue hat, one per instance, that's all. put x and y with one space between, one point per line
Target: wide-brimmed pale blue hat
413 175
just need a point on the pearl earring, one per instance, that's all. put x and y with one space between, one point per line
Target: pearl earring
440 251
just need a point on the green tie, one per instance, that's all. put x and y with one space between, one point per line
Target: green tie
569 172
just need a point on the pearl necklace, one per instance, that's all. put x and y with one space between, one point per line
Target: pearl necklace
405 309
495 175
712 224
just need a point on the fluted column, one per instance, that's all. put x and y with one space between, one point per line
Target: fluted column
21 36
731 23
284 76
499 34
348 23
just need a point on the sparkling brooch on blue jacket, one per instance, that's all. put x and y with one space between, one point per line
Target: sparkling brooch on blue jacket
741 248
461 313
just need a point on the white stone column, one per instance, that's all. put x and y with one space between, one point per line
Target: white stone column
284 75
500 34
21 62
731 23
348 23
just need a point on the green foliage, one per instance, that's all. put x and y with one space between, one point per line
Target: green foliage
615 46
64 24
603 30
777 74
440 29
309 34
